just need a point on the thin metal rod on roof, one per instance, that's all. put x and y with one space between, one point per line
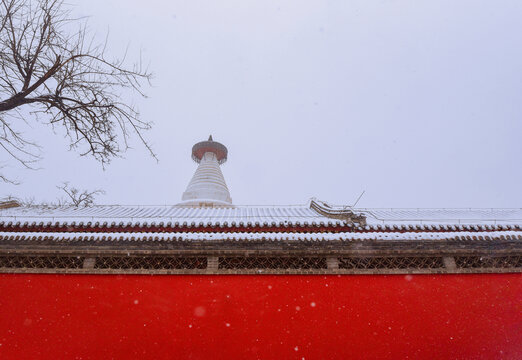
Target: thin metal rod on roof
359 198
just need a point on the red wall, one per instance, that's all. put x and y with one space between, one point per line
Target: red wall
261 317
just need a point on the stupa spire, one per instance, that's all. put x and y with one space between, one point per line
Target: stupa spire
208 187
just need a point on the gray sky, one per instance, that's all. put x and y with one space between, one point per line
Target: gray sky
417 102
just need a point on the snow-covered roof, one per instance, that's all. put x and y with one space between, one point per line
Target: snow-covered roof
268 236
265 215
313 238
443 216
253 215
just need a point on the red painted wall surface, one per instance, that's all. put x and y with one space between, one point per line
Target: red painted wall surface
261 317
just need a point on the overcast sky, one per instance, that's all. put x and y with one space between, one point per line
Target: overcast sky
418 103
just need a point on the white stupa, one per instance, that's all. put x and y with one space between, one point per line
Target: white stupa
207 187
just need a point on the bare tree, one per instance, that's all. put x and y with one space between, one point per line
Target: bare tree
78 197
74 197
66 76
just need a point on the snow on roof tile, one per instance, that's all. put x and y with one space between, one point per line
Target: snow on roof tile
134 214
442 216
270 236
278 215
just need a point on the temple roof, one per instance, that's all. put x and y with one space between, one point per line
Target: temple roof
261 216
261 236
316 238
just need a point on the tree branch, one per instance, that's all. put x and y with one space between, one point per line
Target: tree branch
66 77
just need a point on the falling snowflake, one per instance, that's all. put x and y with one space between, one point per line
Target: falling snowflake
200 311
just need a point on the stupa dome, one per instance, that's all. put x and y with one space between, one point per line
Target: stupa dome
208 187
